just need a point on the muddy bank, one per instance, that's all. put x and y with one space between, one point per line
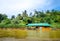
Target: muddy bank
28 39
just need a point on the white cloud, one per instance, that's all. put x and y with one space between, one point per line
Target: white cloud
14 6
28 4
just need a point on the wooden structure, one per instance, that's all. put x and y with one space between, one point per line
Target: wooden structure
39 26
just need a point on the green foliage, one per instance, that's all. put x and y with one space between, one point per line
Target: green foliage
52 17
55 25
12 17
2 25
2 17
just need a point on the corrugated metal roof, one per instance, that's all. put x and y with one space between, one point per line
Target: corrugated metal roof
38 24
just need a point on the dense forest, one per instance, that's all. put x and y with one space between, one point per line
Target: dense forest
21 20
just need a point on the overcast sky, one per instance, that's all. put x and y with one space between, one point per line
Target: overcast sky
14 7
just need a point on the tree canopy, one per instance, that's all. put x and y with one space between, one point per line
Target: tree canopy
52 17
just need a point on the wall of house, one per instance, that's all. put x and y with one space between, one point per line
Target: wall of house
46 29
40 28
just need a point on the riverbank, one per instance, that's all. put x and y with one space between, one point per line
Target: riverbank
29 35
28 39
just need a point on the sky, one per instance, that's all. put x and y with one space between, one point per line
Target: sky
14 7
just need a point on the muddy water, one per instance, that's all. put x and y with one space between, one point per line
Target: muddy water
33 36
27 39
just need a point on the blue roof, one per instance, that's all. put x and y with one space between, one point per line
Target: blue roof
38 24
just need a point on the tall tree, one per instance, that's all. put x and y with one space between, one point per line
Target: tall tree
24 14
13 17
19 17
2 17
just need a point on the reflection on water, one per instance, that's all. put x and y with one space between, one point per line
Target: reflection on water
37 35
45 34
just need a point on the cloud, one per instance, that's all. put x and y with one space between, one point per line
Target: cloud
26 4
13 7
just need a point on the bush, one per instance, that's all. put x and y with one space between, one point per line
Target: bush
2 25
55 25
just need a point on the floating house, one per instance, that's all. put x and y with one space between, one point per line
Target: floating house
39 26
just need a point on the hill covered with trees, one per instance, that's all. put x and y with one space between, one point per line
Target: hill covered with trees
52 17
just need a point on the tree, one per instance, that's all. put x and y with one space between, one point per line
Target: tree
2 17
13 17
19 17
30 14
36 13
6 21
47 11
24 14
